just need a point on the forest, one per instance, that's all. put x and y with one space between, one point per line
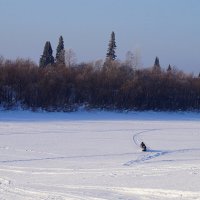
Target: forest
57 84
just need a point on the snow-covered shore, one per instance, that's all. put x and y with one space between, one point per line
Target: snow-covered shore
24 115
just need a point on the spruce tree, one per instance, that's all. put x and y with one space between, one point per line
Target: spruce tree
47 57
156 64
111 48
60 52
169 69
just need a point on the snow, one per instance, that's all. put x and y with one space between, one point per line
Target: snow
96 156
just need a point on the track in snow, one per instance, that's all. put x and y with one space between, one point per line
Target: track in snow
152 154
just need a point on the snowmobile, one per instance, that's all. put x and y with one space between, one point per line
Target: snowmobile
143 146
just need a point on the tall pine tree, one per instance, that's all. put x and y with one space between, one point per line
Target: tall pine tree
111 48
60 52
47 57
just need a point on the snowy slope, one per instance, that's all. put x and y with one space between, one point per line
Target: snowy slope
95 156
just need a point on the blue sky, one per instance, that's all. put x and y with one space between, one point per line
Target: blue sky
169 29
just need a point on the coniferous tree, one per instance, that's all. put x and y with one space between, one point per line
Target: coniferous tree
47 57
111 48
169 69
156 64
60 52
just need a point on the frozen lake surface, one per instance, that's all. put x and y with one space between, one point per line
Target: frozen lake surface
96 156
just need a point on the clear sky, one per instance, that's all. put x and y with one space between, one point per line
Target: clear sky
169 29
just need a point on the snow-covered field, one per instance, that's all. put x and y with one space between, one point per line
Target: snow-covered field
95 156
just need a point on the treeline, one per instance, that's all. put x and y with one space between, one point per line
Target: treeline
106 85
58 84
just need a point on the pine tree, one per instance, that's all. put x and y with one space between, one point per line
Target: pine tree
156 64
169 69
111 48
60 52
47 57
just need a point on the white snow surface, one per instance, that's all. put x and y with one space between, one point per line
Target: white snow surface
96 156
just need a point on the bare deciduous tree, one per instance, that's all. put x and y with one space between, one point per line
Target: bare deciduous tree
130 59
70 57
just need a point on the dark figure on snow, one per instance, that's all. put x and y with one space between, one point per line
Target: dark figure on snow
143 146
